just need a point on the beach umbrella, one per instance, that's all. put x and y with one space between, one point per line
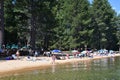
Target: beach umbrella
25 47
111 51
83 52
8 46
74 51
101 51
14 46
56 51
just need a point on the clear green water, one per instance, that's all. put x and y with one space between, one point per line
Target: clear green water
102 69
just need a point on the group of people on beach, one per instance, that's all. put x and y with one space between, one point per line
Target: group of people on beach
15 56
33 54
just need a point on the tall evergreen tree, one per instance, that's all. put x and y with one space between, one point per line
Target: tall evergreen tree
104 26
118 30
15 20
63 11
81 22
18 21
73 18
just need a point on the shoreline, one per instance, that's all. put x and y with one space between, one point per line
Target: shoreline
19 66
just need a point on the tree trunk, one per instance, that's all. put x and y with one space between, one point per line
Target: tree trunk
33 31
1 22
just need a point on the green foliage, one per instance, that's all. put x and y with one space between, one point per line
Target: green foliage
62 24
103 21
118 29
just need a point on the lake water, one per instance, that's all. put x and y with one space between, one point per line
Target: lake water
101 69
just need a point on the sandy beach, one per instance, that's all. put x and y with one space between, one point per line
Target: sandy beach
11 66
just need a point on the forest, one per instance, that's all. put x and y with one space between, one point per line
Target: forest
61 24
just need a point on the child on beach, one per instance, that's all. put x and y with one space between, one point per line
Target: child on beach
53 59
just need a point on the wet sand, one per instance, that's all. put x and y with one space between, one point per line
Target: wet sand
12 66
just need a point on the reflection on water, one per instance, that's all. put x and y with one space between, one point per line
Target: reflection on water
53 68
101 69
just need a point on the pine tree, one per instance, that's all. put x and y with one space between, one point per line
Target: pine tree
81 22
103 20
118 30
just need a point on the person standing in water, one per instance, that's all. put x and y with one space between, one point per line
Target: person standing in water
53 59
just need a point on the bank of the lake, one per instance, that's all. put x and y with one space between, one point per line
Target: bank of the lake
12 66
